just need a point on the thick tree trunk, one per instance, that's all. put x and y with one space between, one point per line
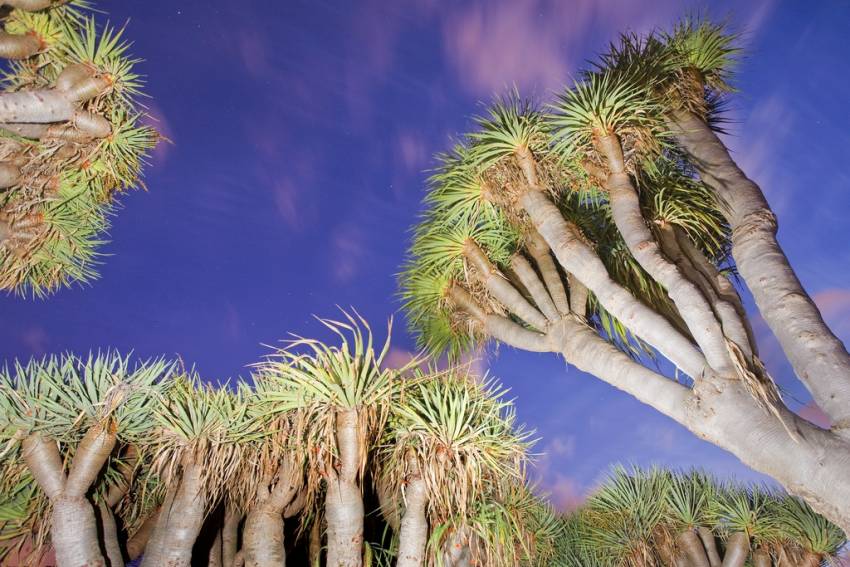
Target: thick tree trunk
813 465
263 539
818 357
710 544
136 544
315 548
737 550
73 532
413 535
109 533
180 521
343 501
216 556
761 558
230 535
692 548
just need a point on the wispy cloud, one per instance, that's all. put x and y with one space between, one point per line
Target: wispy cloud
348 251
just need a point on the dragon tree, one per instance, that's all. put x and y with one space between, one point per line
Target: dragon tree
72 138
605 227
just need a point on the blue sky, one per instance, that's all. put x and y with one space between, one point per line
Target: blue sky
302 132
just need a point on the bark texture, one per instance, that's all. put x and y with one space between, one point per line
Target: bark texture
74 529
344 501
179 522
818 357
413 535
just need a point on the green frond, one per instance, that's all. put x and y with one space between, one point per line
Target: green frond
105 50
800 524
461 433
457 191
61 246
62 397
601 104
705 47
511 123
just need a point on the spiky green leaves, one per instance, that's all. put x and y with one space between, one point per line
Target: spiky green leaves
510 125
705 47
61 397
460 435
637 516
54 217
603 104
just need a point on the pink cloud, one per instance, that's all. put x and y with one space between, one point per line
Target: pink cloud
565 493
411 152
155 117
36 340
493 46
286 200
348 248
834 305
252 52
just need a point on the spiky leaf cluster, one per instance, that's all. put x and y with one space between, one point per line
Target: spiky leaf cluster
456 433
476 192
637 516
54 212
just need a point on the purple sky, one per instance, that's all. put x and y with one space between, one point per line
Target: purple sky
301 134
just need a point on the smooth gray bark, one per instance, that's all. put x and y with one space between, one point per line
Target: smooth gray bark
73 531
13 46
578 259
109 531
693 549
343 500
686 296
179 522
413 534
737 550
230 535
818 357
263 536
526 274
542 256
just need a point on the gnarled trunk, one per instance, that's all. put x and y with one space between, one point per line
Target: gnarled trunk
344 501
818 357
179 522
413 534
73 532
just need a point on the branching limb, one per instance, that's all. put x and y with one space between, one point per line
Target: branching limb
502 289
818 357
549 271
734 326
686 296
578 259
526 274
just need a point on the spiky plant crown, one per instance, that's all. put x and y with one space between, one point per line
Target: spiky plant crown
474 194
319 380
57 210
206 426
457 434
637 515
514 527
60 398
